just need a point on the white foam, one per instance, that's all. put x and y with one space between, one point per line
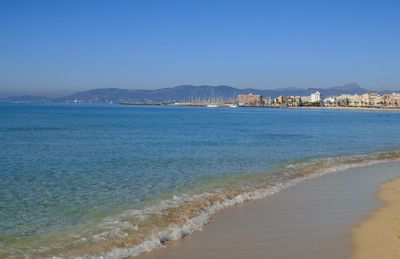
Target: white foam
175 231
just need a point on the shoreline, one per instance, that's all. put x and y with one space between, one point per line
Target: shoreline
378 236
289 224
345 108
391 109
183 221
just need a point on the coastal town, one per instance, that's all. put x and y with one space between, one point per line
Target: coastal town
347 96
367 100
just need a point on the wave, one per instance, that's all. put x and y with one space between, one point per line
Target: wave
136 232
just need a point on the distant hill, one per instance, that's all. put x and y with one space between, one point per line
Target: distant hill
184 93
28 98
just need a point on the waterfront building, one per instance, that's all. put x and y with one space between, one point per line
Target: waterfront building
391 100
296 100
354 100
287 101
279 101
250 100
305 99
364 100
344 100
315 97
267 101
330 101
371 100
351 100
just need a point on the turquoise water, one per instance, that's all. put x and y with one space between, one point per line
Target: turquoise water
68 166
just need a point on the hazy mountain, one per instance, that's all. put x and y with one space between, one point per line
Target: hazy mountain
185 93
352 88
28 99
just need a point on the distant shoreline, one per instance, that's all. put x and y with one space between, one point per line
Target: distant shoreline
226 106
345 108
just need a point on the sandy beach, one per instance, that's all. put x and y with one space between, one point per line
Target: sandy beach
313 219
379 235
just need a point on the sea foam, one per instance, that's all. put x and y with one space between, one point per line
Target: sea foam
196 223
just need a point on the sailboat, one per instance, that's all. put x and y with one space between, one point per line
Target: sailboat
212 101
212 105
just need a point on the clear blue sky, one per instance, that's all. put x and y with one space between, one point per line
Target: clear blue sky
57 47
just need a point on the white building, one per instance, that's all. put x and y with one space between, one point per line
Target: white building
305 99
330 101
315 97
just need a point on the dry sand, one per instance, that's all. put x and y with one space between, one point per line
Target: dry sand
379 235
313 219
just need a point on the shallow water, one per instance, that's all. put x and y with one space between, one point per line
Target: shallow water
67 169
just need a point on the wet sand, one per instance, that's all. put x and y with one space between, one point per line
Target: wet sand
379 235
313 219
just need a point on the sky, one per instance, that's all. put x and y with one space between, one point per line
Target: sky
57 47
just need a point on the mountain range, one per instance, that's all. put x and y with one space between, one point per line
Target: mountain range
185 93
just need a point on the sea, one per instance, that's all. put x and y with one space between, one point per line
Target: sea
111 181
